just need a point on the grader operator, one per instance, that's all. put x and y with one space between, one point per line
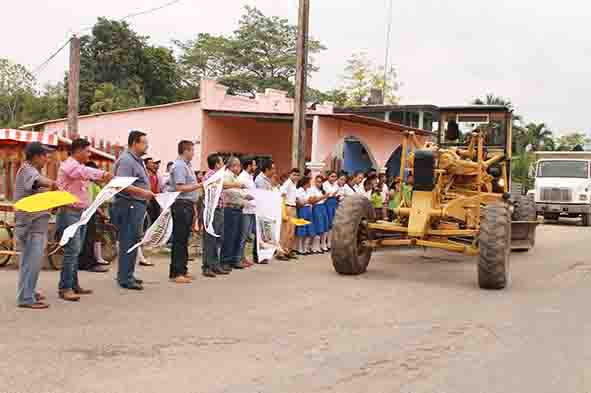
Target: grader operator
460 201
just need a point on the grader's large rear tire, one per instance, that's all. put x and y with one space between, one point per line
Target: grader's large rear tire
495 246
349 255
523 236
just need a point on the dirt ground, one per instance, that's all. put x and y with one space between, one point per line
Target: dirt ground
416 322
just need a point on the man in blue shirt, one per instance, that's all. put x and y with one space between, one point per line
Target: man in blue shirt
183 180
129 207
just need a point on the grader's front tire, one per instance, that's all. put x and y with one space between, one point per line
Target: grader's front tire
495 246
349 255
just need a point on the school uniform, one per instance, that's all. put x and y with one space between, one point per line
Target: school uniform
319 213
331 203
305 213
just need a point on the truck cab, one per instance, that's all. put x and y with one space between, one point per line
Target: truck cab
563 185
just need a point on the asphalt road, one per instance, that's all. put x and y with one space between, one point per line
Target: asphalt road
416 322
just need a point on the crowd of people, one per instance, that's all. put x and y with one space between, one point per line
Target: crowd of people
313 199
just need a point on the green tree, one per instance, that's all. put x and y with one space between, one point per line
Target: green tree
570 141
17 84
361 76
259 54
115 54
51 103
108 97
536 136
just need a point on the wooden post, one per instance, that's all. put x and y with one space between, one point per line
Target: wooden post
298 156
74 87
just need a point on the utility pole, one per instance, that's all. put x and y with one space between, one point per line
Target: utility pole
74 87
298 156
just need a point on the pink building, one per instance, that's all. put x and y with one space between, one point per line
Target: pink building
222 123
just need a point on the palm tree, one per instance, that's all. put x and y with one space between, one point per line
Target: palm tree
536 136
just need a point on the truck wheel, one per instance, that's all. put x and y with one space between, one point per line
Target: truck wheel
586 218
523 236
349 255
495 246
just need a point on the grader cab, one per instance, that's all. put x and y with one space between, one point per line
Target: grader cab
460 199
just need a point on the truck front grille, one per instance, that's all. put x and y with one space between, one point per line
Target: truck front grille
556 195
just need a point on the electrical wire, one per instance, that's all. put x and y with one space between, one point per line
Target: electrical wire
42 65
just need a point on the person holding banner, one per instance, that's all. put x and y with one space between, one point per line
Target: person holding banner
183 180
129 207
235 199
30 229
74 176
213 219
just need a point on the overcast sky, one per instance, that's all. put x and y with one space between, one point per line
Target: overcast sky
537 53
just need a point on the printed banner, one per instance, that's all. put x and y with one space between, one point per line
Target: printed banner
212 188
161 230
268 222
108 192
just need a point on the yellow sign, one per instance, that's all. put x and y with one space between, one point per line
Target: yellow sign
45 201
299 222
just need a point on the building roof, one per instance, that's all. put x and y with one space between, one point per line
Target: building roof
386 108
370 121
475 108
143 108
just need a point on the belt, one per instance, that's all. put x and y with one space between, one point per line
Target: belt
72 209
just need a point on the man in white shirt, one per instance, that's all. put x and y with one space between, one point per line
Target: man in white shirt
249 167
358 180
288 191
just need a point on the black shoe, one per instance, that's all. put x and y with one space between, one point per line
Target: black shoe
219 270
137 280
99 269
209 273
134 287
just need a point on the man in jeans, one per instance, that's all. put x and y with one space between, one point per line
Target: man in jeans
129 207
234 201
30 229
183 180
249 167
73 176
212 245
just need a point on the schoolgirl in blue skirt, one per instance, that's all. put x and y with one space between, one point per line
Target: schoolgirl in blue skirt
319 215
304 233
331 190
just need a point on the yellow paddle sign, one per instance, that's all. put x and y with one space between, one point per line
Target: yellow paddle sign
45 201
299 222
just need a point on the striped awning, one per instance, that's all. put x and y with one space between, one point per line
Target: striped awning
46 138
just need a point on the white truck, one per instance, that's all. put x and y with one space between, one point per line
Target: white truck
563 185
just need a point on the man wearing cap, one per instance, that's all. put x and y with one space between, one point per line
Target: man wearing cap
30 229
129 207
74 176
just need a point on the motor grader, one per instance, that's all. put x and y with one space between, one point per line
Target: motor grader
460 199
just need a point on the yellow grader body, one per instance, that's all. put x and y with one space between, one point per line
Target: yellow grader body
460 203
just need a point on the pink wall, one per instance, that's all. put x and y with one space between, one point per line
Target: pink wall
250 136
214 97
380 141
165 125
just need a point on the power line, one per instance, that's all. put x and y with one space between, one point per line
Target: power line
42 65
129 16
389 21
